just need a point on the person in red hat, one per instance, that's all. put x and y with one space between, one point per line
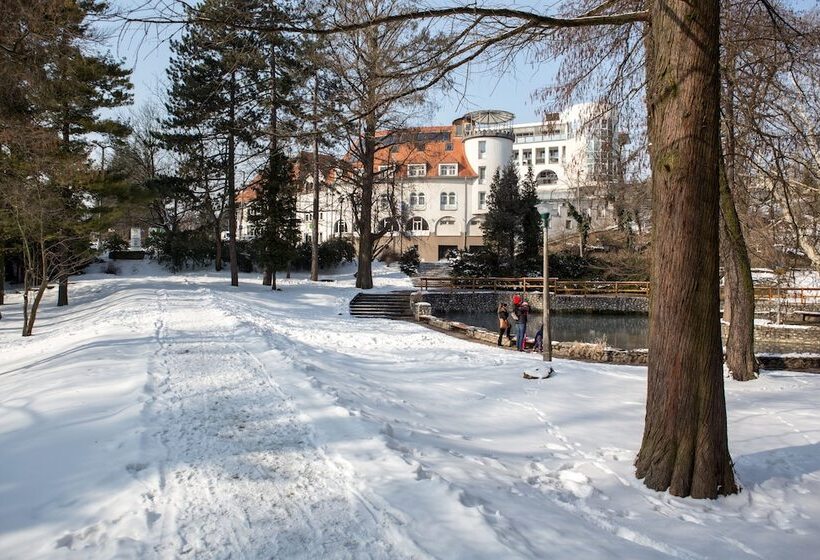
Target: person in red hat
520 314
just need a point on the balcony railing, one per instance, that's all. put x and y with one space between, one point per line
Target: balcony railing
505 132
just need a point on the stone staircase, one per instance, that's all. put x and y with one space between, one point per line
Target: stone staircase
436 269
394 305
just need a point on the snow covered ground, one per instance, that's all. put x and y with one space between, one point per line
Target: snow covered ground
176 417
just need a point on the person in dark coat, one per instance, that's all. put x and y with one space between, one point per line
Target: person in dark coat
520 313
503 323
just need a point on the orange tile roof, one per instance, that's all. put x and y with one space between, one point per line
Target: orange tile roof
410 146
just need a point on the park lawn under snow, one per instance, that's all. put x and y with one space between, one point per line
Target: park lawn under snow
166 416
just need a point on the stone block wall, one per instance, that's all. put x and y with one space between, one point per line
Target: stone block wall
487 302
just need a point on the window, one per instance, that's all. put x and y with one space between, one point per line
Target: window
568 224
388 224
452 199
340 227
515 155
394 148
384 202
547 177
448 201
417 170
448 147
448 169
482 149
563 154
526 157
554 155
418 224
482 175
386 171
539 155
482 200
417 200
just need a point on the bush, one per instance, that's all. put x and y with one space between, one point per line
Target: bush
334 252
476 264
409 261
568 265
181 249
114 242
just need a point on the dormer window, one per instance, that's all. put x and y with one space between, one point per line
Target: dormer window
448 169
386 171
417 170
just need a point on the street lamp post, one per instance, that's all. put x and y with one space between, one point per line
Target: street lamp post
546 340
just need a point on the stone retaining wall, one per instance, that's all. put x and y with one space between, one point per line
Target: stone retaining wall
598 353
808 336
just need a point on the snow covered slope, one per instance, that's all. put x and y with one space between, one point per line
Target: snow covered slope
174 416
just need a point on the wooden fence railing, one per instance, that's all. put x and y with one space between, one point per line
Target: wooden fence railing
532 285
793 297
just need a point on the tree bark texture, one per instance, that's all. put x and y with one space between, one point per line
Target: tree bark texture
2 277
314 234
740 296
218 265
232 183
62 291
267 278
685 444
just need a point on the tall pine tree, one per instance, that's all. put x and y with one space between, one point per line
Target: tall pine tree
503 226
214 96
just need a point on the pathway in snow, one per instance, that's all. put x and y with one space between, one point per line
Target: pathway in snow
237 473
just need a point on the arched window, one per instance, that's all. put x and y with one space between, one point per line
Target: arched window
448 201
417 223
340 227
422 199
443 199
547 177
452 199
414 199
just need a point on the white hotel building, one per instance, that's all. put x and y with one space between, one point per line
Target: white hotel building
442 176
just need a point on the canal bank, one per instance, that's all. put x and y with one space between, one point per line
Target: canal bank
606 328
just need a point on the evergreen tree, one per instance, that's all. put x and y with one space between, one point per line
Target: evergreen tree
273 215
214 96
284 70
531 226
503 224
81 83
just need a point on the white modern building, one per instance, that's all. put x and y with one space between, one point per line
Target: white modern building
434 181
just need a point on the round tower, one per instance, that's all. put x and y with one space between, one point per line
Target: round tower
488 139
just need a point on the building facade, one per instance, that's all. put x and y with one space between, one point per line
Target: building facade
433 182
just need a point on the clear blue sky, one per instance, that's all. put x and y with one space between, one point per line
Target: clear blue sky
475 87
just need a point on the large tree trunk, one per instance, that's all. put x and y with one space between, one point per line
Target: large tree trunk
314 234
2 276
62 291
739 303
267 277
232 184
685 443
218 265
